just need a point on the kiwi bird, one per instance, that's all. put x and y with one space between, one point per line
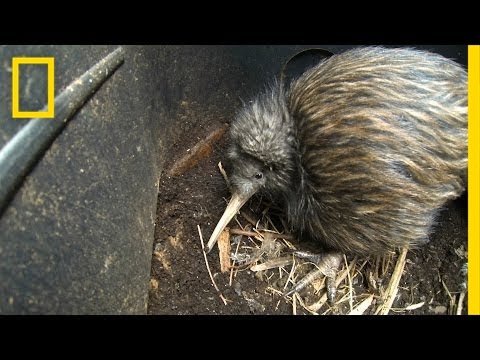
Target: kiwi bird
362 150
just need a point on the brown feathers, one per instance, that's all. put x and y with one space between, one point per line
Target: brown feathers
363 149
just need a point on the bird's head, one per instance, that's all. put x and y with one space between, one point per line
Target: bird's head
261 153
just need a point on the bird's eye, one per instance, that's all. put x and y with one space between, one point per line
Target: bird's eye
258 175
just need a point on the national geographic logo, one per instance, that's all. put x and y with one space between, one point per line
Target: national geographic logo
49 111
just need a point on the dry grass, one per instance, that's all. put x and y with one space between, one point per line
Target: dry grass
261 247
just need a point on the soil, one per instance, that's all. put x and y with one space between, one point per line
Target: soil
180 284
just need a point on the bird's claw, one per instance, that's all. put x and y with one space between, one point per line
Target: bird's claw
327 265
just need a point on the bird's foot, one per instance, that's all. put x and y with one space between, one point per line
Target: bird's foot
327 265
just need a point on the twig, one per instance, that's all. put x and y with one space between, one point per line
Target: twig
362 307
280 235
415 306
460 303
269 220
274 291
274 263
232 268
290 275
208 267
224 174
350 286
294 304
447 291
243 232
451 307
361 266
393 285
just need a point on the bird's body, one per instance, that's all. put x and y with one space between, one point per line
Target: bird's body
362 150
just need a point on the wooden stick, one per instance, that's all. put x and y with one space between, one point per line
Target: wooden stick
274 263
200 151
224 248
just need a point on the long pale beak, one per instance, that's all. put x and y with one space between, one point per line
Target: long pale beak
236 202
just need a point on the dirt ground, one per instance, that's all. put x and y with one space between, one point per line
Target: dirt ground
431 283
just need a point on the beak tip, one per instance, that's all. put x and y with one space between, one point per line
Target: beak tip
208 247
236 202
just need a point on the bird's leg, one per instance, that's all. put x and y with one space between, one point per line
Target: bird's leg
327 265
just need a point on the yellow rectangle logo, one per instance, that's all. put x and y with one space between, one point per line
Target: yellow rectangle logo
16 62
